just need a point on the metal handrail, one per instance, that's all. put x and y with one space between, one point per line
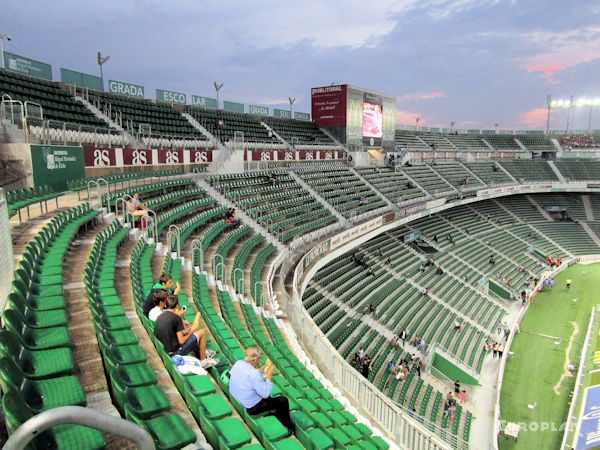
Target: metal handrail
259 301
150 218
240 282
123 201
215 265
78 415
174 230
197 247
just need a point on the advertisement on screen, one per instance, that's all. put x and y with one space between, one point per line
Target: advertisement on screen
372 120
329 106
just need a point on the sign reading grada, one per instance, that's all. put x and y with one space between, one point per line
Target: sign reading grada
55 165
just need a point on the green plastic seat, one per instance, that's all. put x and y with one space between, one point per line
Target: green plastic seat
214 406
270 428
126 354
319 440
41 395
232 432
287 444
146 401
169 432
36 364
134 375
199 385
35 338
63 437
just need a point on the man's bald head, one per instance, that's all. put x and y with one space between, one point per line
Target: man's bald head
252 355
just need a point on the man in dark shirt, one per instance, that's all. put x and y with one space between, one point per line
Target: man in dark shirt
179 339
165 283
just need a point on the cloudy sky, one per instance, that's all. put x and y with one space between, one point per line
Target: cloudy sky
474 62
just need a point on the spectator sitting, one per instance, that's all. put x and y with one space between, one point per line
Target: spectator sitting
179 339
247 386
439 271
160 299
165 284
230 219
457 325
135 207
363 200
272 179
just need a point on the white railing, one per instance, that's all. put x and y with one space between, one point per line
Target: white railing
583 359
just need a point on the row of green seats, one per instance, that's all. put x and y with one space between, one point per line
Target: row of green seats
82 183
36 363
23 198
132 380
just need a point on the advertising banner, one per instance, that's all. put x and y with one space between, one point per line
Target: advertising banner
137 157
170 156
99 157
308 155
233 106
128 89
354 232
204 102
81 79
328 106
26 66
262 155
286 155
54 165
301 116
259 110
201 156
170 97
282 113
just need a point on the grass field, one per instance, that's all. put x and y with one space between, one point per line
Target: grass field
534 372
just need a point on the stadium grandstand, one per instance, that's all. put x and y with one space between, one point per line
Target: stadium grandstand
401 287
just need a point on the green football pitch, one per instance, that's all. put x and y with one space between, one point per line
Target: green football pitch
537 389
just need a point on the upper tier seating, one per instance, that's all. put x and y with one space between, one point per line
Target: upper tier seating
468 142
579 169
342 189
502 142
283 207
57 104
536 143
457 175
163 120
298 131
530 170
436 141
223 125
428 179
408 140
393 184
489 172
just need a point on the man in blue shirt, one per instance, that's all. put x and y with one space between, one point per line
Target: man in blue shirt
247 386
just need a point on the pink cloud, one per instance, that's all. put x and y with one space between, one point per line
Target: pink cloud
534 118
409 118
421 96
547 71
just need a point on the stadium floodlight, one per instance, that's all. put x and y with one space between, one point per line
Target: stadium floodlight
218 87
583 102
291 100
101 61
3 36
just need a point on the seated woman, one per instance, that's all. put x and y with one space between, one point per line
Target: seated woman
135 208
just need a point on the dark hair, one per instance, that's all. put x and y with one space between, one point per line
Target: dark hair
164 278
159 296
172 302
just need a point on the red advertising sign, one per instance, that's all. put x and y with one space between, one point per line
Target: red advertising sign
328 155
308 155
137 157
262 155
170 156
329 105
99 157
201 156
286 155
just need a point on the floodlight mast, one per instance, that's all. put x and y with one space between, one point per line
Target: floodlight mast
3 36
291 100
101 61
218 87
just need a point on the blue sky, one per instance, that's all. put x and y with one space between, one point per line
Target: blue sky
474 62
